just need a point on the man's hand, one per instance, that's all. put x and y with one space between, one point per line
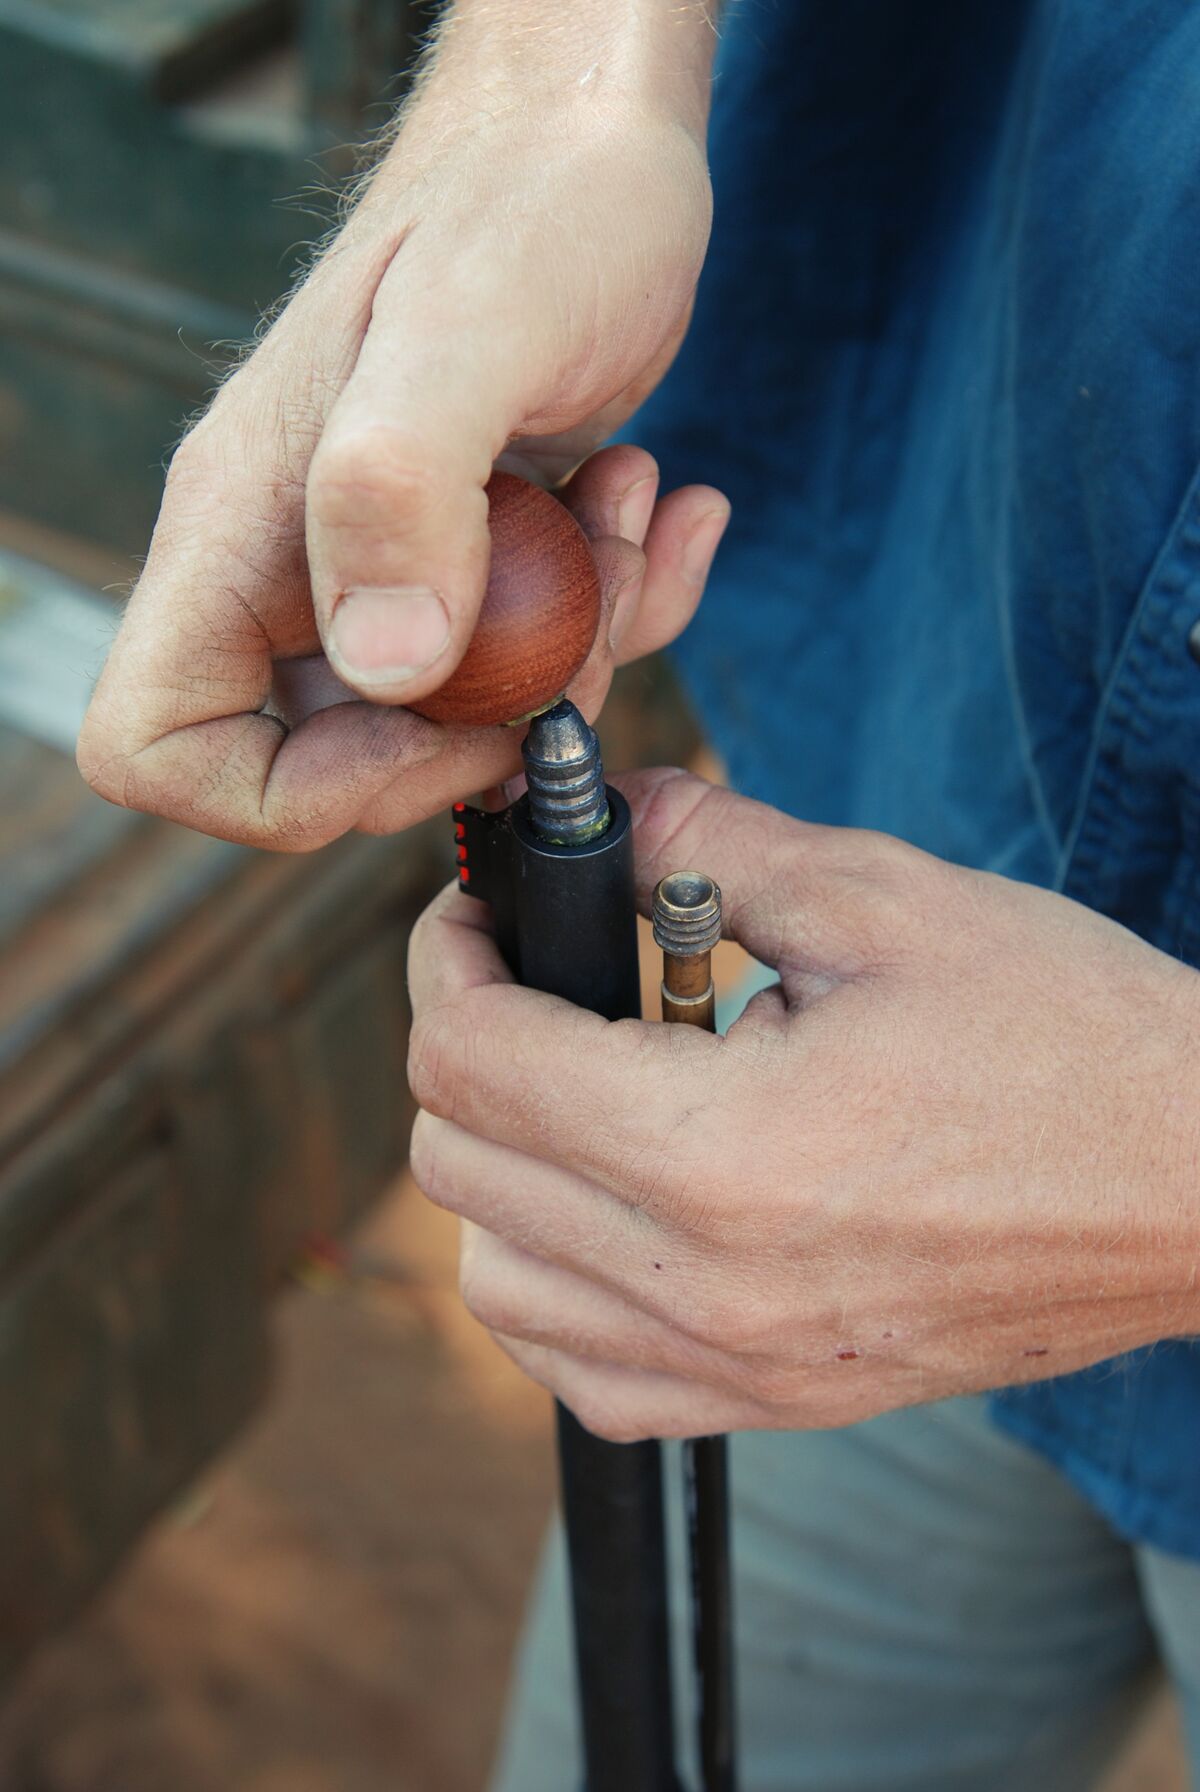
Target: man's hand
517 277
953 1150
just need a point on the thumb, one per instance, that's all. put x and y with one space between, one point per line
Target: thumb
396 517
805 900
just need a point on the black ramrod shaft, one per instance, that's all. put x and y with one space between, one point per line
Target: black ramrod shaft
706 1496
558 869
687 925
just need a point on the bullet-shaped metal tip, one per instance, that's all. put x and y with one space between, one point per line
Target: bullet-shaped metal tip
568 801
687 914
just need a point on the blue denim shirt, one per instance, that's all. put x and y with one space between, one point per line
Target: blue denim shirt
946 362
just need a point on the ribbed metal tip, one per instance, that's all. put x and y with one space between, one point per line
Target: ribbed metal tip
568 802
687 914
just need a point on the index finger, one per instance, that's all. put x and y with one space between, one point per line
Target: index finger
176 725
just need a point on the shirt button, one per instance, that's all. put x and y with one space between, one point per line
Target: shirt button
1194 642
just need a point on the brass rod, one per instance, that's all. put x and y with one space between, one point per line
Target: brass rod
687 925
687 991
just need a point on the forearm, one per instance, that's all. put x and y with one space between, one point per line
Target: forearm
653 55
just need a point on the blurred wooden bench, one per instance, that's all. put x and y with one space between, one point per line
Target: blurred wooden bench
201 1063
165 164
201 1048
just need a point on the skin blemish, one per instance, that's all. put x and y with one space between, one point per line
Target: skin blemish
658 1266
847 1356
887 1335
1042 1350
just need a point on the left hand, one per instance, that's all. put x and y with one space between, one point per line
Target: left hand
954 1149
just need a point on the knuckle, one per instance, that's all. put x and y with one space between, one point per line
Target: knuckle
191 459
195 465
482 1300
434 1057
685 1198
598 1413
825 1409
645 1174
289 834
108 763
591 683
470 1289
887 881
778 1387
681 802
102 764
111 757
372 471
213 787
740 1328
469 1284
421 941
737 1327
893 858
681 1195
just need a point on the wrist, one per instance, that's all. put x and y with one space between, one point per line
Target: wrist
594 57
1146 1160
1177 1101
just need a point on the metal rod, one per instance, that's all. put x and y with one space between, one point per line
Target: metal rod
557 868
706 1495
687 925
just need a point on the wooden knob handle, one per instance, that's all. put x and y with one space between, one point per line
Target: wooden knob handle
539 615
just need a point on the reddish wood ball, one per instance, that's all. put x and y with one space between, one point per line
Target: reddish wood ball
539 615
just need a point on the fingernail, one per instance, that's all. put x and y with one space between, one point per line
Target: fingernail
624 605
635 509
702 544
386 634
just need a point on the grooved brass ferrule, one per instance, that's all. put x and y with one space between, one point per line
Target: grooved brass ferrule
687 914
687 925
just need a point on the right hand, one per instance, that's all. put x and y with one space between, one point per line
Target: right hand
515 279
